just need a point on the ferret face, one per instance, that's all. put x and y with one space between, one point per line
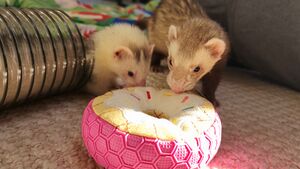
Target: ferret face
188 67
132 67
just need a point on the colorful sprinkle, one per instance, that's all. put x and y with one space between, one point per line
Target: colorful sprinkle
148 95
187 108
207 105
185 99
168 94
135 97
131 89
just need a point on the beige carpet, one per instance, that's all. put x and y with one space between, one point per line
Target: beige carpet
261 129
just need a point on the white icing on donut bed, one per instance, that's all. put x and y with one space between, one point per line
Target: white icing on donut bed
146 128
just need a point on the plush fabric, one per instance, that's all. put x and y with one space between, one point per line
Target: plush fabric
148 112
111 147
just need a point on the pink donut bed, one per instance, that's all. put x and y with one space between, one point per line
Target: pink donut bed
112 147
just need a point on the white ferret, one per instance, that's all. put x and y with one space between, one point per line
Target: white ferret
122 59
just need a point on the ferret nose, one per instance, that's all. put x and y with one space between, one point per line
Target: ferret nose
177 89
142 83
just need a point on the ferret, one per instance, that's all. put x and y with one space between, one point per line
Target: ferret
122 58
196 47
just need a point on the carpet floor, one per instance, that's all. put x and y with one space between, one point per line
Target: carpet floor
261 128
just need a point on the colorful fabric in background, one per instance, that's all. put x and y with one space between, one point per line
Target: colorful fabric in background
95 17
30 3
91 17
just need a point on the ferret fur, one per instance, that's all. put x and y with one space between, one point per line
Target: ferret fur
118 49
193 39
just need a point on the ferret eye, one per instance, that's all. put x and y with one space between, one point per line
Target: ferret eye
197 69
170 62
130 74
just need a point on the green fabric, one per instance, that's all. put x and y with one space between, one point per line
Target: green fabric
96 16
30 3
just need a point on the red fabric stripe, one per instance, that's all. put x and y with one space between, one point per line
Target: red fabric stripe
148 95
91 13
87 6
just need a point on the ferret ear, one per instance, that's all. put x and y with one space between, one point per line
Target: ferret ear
122 53
172 35
216 47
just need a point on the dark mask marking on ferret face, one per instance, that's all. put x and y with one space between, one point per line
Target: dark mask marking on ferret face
138 55
141 53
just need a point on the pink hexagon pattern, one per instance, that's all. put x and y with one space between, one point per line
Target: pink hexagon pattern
182 153
134 141
148 153
195 159
101 146
116 143
165 162
114 149
113 160
166 147
129 157
145 166
94 131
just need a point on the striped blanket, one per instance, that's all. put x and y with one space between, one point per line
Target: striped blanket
91 17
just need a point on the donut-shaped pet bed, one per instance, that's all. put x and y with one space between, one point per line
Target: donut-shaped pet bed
146 128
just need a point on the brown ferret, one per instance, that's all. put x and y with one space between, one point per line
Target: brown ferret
196 46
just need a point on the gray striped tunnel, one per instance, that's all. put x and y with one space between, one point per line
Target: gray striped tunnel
41 53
